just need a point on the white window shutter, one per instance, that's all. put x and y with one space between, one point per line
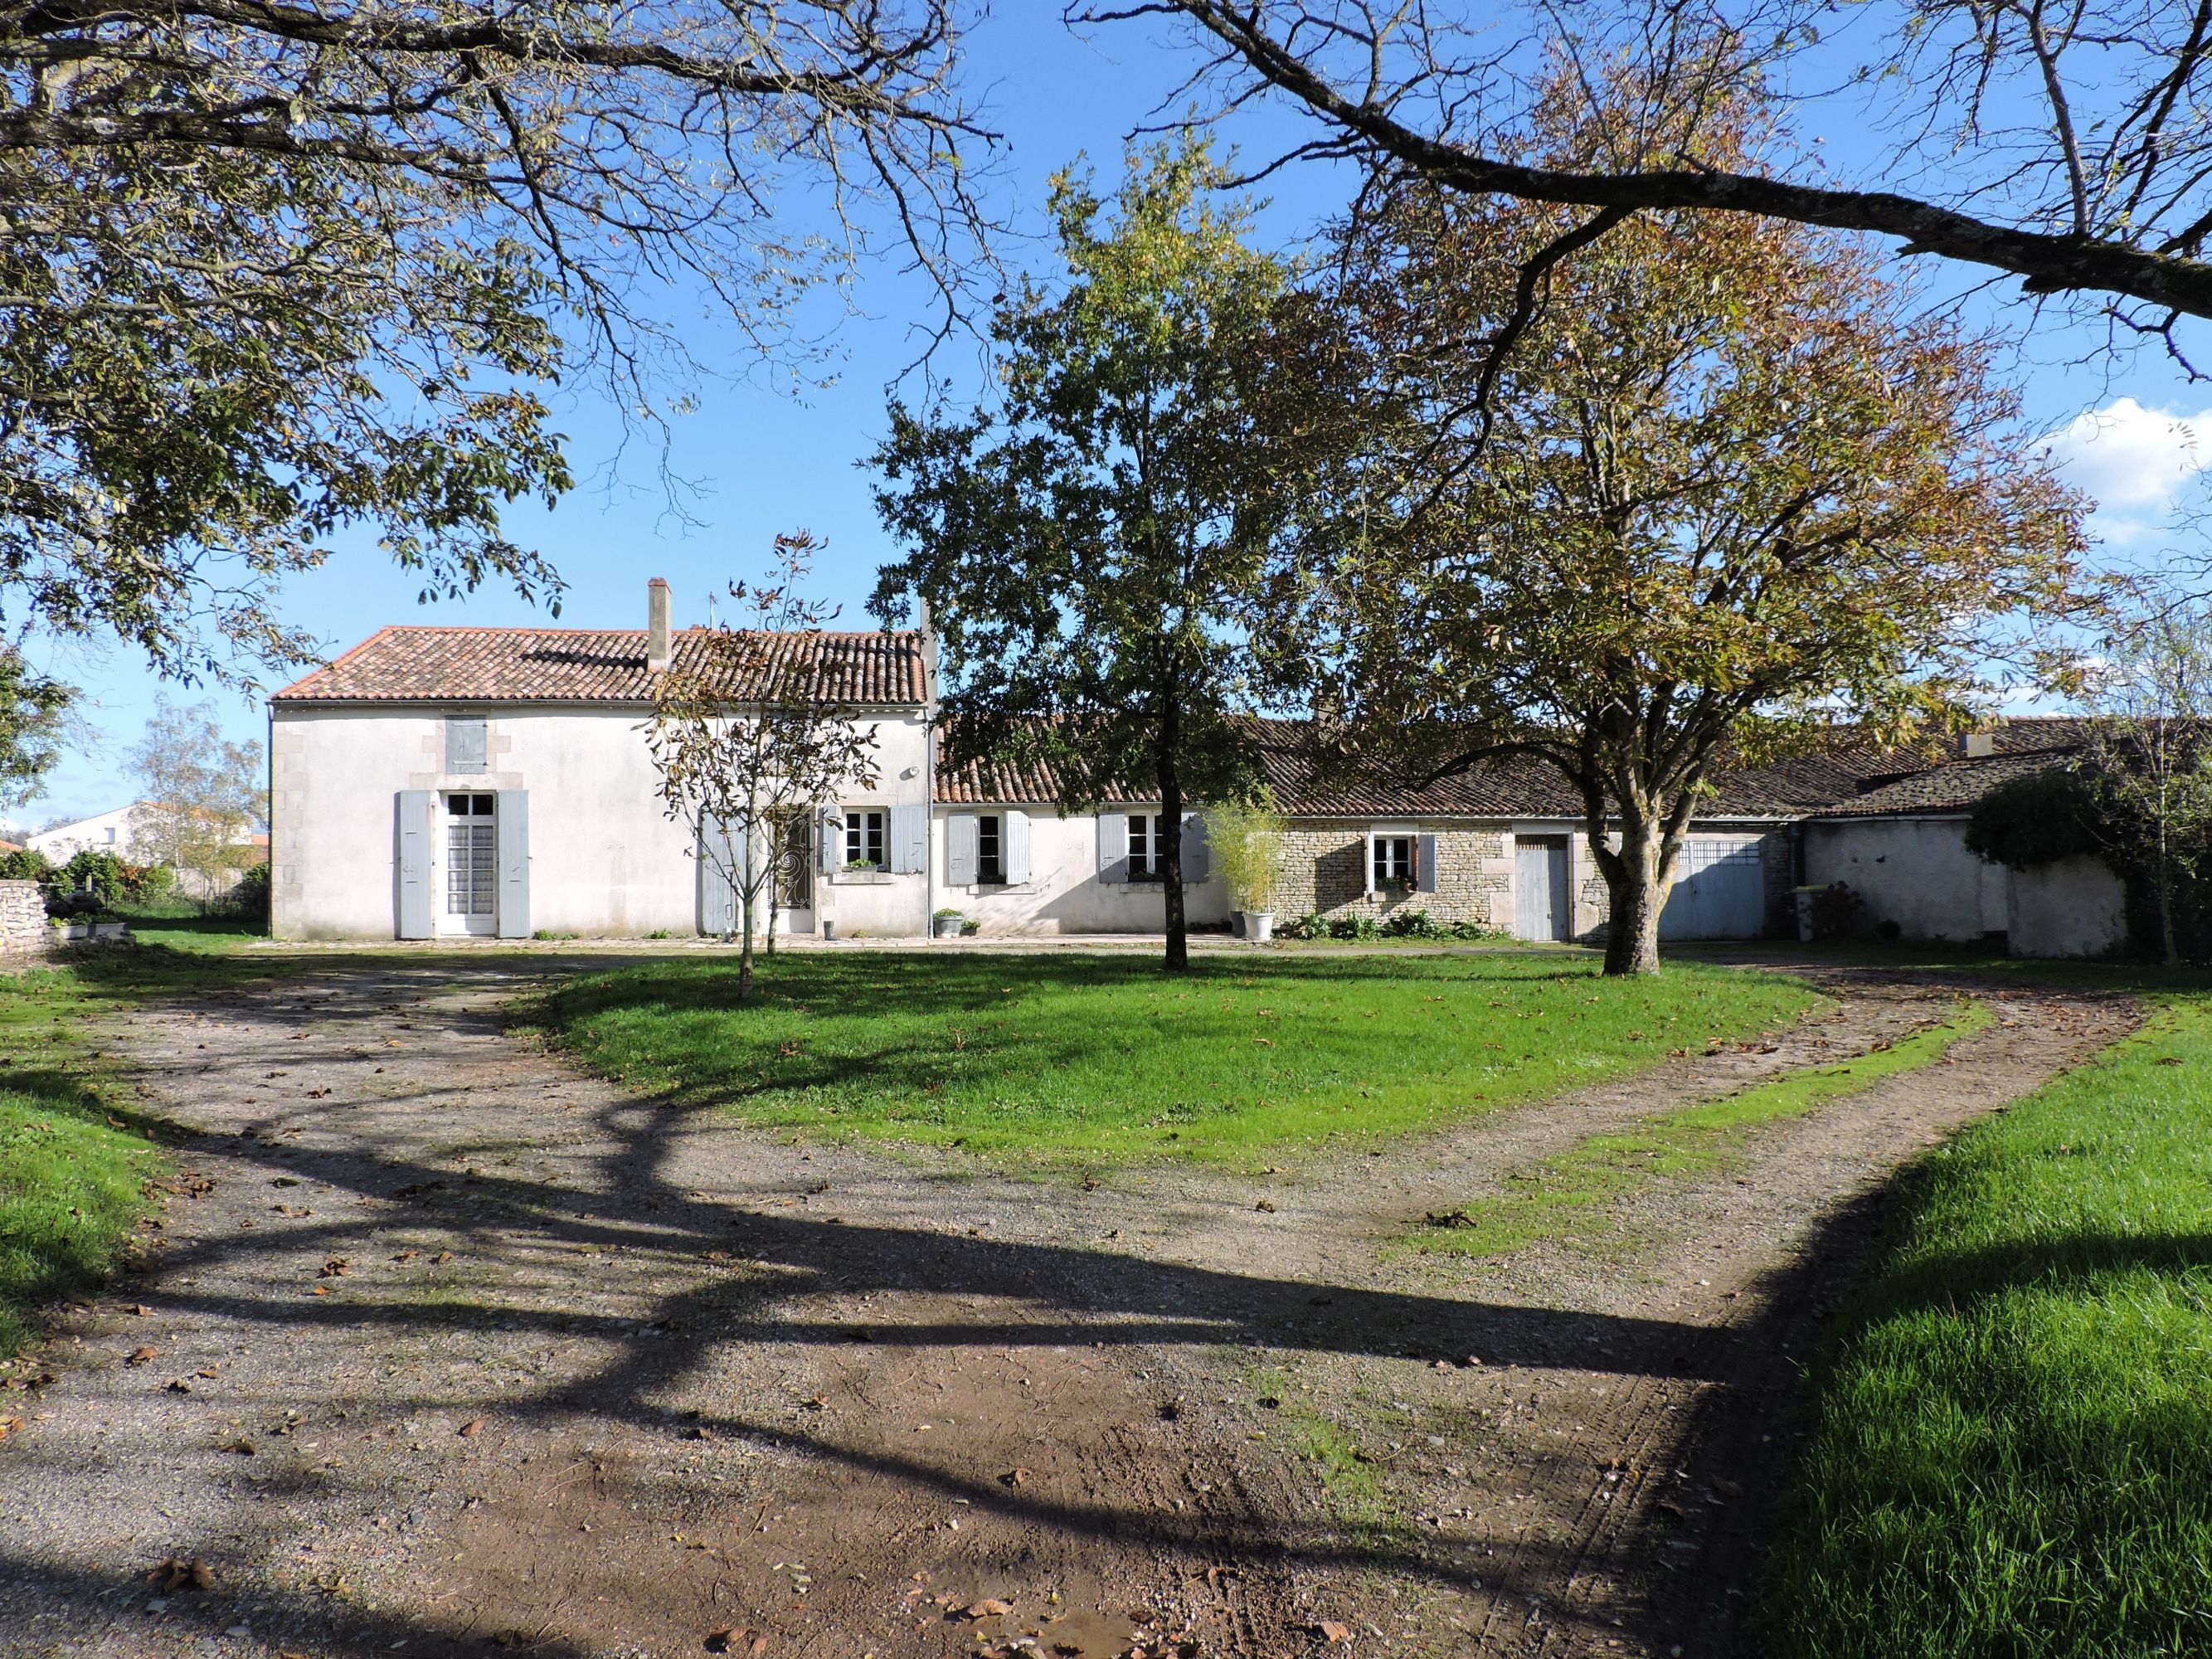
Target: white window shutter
909 848
832 830
411 855
1424 864
1114 846
1197 857
513 833
718 893
467 748
1014 847
960 850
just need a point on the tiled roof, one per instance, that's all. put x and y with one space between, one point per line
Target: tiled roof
594 665
1511 787
1953 786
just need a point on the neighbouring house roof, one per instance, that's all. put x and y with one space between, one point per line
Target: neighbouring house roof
600 664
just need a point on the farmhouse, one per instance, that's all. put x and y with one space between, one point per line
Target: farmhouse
445 781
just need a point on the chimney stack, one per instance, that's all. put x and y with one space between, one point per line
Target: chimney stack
1978 746
656 627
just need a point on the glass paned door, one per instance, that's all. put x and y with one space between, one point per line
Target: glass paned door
471 864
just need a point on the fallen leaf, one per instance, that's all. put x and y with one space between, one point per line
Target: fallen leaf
178 1385
242 1448
9 1426
814 1403
738 1640
1264 1043
208 1372
406 1255
1265 1207
1330 1630
473 1426
175 1572
1014 1478
442 1255
141 1310
989 1607
336 1267
140 1355
320 1290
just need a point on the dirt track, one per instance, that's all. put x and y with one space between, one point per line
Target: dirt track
521 1360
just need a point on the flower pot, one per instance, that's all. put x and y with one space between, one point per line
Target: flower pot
77 930
947 927
1257 926
117 931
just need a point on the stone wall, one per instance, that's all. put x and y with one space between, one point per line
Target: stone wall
1325 872
24 935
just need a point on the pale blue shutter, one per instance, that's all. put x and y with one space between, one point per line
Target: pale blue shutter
513 833
1424 864
909 839
718 895
833 842
411 861
1114 846
1014 847
467 748
1197 862
960 850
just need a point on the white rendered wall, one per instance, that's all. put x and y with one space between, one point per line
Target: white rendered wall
603 857
1916 872
1064 894
2074 907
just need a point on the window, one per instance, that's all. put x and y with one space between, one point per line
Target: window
990 855
1393 864
467 749
472 856
1148 848
864 836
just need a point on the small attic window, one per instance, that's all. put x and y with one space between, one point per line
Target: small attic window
466 746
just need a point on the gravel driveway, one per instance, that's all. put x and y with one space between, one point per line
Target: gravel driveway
443 1349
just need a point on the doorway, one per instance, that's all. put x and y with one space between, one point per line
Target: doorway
471 849
1543 907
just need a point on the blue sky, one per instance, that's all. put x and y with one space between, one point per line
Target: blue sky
764 461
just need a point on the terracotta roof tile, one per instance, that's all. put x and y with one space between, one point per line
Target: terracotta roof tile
591 664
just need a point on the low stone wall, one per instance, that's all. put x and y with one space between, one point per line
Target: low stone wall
24 935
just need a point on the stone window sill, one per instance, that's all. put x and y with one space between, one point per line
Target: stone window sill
861 878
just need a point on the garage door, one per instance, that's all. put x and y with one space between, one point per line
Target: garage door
1721 893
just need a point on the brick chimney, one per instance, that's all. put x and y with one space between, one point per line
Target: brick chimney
656 626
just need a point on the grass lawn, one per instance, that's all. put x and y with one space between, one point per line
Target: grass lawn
74 1164
1104 1057
2011 1452
1570 1196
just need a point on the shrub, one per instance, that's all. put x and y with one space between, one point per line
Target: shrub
1308 925
1353 927
250 898
1835 911
102 875
148 883
1412 924
24 865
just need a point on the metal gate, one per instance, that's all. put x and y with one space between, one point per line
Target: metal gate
1720 892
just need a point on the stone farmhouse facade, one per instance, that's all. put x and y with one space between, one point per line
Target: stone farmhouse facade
443 782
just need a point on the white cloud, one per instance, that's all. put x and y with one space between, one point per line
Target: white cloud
2134 462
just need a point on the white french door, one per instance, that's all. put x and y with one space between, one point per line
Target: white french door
472 860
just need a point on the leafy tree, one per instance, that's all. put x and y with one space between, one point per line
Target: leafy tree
1089 541
750 739
2066 146
2040 818
2147 679
200 795
1732 487
34 712
1246 841
25 864
272 271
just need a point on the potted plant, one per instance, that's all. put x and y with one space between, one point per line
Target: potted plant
1247 841
947 923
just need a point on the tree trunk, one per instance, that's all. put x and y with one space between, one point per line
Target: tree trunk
746 950
1634 897
1178 951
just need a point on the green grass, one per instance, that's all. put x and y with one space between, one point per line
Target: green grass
1104 1057
1563 1198
179 929
2011 1450
73 1165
